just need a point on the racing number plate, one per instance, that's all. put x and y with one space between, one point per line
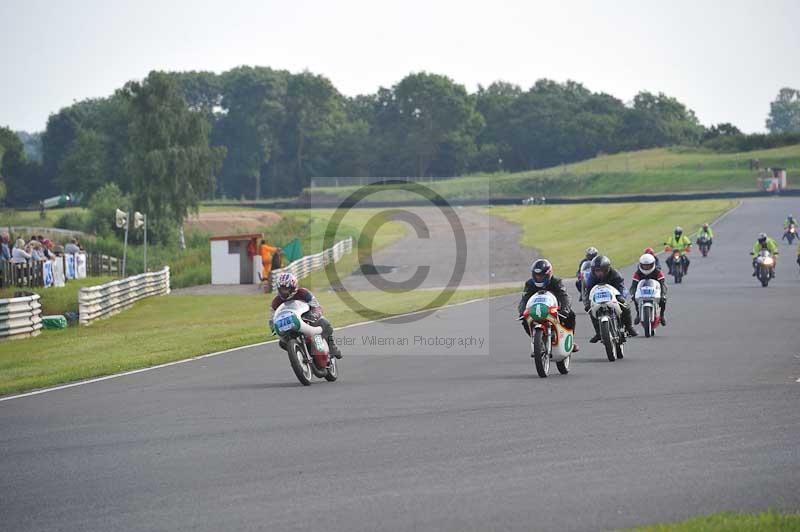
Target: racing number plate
602 296
285 323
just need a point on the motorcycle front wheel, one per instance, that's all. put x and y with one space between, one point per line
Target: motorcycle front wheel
300 366
647 321
541 359
608 342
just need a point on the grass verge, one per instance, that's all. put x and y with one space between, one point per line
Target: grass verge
731 522
168 328
620 231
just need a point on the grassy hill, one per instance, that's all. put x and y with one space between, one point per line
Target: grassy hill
662 170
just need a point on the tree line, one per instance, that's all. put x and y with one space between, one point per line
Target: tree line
254 131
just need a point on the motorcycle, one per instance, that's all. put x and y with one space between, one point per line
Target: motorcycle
549 338
790 233
583 279
648 296
678 263
606 310
703 242
765 267
308 351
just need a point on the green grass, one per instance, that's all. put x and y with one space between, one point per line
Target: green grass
58 300
731 522
621 231
11 217
653 171
168 328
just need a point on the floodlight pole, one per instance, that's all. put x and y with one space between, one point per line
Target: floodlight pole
125 246
145 242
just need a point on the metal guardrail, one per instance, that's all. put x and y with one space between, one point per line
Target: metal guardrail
20 317
312 263
105 300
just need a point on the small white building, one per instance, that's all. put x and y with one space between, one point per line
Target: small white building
235 259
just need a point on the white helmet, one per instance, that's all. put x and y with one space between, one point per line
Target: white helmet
647 263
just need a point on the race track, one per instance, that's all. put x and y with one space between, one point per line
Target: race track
704 417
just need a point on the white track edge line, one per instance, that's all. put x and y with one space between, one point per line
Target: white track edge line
226 351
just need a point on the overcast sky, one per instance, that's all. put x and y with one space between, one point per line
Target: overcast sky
724 59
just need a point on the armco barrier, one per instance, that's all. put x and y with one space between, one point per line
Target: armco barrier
106 299
312 263
20 317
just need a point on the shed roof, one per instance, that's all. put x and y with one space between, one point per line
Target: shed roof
238 237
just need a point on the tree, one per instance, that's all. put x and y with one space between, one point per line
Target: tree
83 169
784 112
172 164
253 100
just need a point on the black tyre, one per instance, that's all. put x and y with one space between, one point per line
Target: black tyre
608 342
647 321
763 276
620 350
301 368
333 371
541 359
563 366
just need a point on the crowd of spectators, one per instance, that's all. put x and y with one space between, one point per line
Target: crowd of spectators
36 248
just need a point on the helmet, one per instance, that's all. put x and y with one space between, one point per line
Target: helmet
762 237
287 285
705 226
542 272
678 231
647 263
600 267
591 252
650 251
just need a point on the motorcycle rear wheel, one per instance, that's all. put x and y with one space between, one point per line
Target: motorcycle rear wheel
541 358
608 342
301 368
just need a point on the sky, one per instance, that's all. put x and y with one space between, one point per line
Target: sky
726 60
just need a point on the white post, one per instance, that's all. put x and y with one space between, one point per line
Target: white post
125 247
145 243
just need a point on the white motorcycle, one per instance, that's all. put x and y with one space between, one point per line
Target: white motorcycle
586 270
308 351
606 310
648 297
549 338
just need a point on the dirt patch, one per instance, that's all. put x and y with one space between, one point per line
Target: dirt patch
231 222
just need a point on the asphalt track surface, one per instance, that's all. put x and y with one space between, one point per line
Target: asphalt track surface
704 417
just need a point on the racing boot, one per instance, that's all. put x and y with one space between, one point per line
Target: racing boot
596 338
333 348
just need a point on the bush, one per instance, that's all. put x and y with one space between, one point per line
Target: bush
74 221
102 209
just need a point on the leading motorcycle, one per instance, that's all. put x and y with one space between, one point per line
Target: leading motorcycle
765 267
549 338
308 350
606 310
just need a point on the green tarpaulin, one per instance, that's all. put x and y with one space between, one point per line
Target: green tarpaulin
292 251
54 322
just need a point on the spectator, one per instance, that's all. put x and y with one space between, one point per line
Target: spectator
19 254
47 248
72 247
58 250
5 251
36 250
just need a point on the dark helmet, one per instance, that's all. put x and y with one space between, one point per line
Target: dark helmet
541 272
678 231
762 238
600 267
591 252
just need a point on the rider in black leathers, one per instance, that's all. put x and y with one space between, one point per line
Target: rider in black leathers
542 278
603 273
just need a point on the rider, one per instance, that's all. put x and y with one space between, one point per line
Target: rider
764 242
651 251
288 289
648 269
789 221
603 273
591 253
707 232
542 278
680 242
